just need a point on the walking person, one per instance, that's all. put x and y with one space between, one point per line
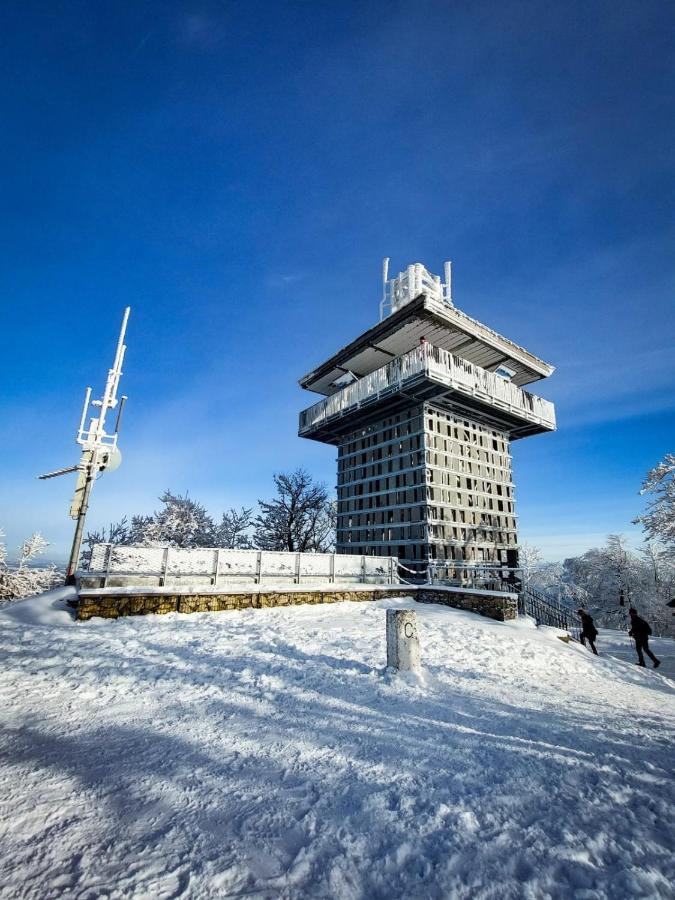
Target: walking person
640 631
588 630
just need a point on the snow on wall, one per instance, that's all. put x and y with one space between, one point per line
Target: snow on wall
191 562
131 563
238 562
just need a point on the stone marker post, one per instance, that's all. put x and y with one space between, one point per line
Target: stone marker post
403 644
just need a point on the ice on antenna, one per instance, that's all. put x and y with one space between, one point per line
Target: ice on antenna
410 284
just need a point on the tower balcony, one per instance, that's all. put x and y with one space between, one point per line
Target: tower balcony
428 373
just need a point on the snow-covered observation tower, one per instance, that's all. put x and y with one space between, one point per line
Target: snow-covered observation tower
422 408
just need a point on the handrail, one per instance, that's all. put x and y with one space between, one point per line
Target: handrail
442 366
548 610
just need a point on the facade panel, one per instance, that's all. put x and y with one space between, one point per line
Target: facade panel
426 484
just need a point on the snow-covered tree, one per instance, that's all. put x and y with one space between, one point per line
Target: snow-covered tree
115 533
137 531
234 529
609 579
24 579
300 517
552 580
181 522
661 563
659 519
528 558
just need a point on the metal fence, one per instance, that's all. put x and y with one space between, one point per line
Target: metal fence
117 565
546 610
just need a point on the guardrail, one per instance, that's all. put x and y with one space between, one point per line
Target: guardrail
438 365
120 566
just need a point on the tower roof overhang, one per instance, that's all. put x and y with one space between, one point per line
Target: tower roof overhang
440 324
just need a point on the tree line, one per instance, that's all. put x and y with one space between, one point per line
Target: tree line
300 516
609 579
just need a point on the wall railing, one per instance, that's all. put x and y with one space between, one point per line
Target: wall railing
440 366
119 565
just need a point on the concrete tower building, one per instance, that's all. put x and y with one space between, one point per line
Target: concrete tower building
423 408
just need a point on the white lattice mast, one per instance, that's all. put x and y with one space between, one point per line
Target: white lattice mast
99 448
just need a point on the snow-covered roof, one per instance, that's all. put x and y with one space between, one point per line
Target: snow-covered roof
442 326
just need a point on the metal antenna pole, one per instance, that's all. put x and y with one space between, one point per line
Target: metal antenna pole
99 449
79 527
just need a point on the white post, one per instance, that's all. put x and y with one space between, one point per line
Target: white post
403 645
165 566
107 565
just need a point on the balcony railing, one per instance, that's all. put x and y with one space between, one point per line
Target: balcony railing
439 366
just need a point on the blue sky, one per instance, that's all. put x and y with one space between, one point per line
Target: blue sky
236 171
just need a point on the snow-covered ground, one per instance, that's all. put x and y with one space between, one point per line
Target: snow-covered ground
265 754
620 646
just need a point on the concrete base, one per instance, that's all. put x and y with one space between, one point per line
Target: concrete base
111 603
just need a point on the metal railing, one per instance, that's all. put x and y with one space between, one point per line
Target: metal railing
441 366
450 573
122 565
546 610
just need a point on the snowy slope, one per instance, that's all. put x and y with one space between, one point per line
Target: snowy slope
265 754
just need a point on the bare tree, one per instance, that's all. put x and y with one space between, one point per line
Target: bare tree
300 517
233 531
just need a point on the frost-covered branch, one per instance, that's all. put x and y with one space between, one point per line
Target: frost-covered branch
659 519
24 579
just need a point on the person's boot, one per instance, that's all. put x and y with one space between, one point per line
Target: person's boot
657 663
640 664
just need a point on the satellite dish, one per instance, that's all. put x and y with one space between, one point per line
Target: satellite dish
110 459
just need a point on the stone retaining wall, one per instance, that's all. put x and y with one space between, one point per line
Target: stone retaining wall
490 603
111 604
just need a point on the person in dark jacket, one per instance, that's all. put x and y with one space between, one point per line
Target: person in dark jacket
640 631
588 630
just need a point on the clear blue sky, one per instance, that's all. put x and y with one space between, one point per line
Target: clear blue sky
236 171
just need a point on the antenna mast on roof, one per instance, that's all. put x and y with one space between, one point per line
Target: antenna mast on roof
99 449
410 284
385 275
448 282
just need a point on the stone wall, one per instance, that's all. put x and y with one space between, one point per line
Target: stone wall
111 604
489 603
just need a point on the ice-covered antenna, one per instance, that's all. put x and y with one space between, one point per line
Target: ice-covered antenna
99 449
385 275
448 282
411 283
